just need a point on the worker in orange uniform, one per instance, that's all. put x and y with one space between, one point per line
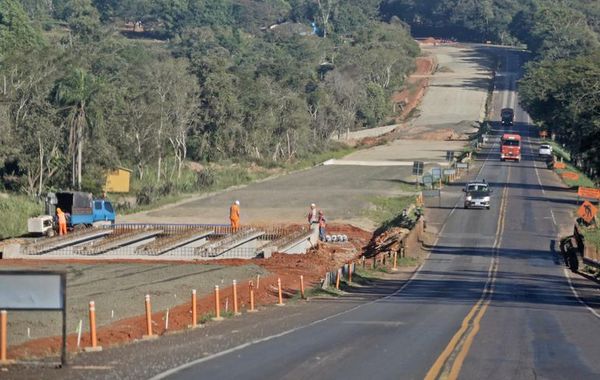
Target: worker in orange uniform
62 221
234 215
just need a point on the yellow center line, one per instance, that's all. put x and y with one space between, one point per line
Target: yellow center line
475 314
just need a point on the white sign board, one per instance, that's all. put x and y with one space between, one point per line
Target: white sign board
32 291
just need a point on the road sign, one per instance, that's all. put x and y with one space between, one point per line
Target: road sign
449 155
588 192
449 171
587 212
427 179
36 291
418 167
462 165
436 173
570 175
431 193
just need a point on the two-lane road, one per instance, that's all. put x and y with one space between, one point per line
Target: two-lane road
490 302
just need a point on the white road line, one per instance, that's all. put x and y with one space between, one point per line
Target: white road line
581 301
553 218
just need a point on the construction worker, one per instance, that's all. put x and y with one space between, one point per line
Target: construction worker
234 215
313 217
322 225
62 221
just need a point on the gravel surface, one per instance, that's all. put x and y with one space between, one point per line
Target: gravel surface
118 291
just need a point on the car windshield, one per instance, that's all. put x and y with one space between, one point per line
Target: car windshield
479 187
545 147
510 142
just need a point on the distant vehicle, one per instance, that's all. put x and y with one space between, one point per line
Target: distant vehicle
477 194
510 148
545 151
80 208
508 116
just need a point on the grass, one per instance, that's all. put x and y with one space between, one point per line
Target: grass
15 211
386 209
558 150
583 180
592 236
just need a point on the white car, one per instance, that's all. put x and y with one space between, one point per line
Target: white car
477 195
545 150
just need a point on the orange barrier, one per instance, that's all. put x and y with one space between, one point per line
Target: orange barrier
570 175
235 299
588 192
251 289
302 287
148 317
194 309
3 334
279 292
93 336
217 316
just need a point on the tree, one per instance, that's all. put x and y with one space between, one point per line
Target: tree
76 93
16 31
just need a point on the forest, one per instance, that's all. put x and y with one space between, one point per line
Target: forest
154 85
561 85
151 85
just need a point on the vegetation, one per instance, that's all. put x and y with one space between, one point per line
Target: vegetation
151 85
592 236
16 211
561 85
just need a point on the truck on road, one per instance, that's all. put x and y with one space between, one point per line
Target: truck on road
510 147
508 116
81 210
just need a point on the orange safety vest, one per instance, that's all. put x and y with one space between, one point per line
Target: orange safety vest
61 218
234 212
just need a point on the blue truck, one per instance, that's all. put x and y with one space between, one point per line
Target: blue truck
81 210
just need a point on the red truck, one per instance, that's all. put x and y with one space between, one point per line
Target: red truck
510 147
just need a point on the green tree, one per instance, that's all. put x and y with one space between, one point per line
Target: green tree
76 94
16 31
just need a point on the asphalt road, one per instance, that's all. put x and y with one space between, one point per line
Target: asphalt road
491 301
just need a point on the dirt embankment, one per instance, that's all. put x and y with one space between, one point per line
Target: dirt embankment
312 266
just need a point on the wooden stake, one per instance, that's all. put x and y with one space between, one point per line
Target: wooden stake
217 305
3 334
395 267
235 299
194 309
251 290
302 287
337 279
349 272
279 293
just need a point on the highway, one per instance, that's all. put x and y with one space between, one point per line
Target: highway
490 302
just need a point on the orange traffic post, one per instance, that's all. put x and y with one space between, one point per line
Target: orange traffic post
194 310
337 279
349 272
235 299
302 287
217 316
93 336
251 290
395 267
279 293
3 337
149 334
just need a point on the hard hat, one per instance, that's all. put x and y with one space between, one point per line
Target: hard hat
312 205
237 202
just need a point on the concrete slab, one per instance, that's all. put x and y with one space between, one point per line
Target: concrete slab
50 244
239 241
127 239
166 244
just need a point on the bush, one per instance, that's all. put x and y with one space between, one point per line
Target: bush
15 211
145 196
